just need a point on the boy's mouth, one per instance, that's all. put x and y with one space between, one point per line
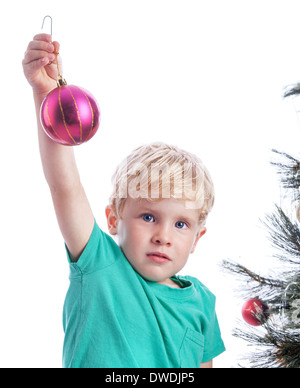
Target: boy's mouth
158 257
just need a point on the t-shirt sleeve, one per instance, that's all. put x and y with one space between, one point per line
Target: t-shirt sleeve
213 343
100 252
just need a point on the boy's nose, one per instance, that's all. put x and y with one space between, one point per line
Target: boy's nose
161 237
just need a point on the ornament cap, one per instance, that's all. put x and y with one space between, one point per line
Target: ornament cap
61 81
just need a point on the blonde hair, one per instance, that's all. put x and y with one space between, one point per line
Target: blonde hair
157 171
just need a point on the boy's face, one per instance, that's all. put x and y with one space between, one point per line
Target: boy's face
156 237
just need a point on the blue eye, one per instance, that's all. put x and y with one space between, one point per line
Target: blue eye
180 225
148 218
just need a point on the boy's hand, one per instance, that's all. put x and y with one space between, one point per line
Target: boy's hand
40 53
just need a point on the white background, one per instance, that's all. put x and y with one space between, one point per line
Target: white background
207 76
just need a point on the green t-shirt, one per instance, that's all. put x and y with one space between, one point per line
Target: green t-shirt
113 318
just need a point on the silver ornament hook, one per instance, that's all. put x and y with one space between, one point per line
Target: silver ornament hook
50 24
49 64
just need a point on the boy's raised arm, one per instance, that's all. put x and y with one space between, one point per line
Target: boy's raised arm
74 215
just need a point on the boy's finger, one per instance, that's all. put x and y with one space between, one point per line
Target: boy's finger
35 55
57 46
34 66
43 37
40 45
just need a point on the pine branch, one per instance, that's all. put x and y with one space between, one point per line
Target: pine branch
289 171
292 90
276 346
266 288
249 275
284 235
289 350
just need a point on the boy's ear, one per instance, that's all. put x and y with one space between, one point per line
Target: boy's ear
112 220
199 235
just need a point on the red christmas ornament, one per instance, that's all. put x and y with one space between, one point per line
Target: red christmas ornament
255 312
70 115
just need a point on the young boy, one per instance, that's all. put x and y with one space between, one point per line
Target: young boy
125 306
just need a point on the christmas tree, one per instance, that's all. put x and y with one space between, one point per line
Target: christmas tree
273 301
